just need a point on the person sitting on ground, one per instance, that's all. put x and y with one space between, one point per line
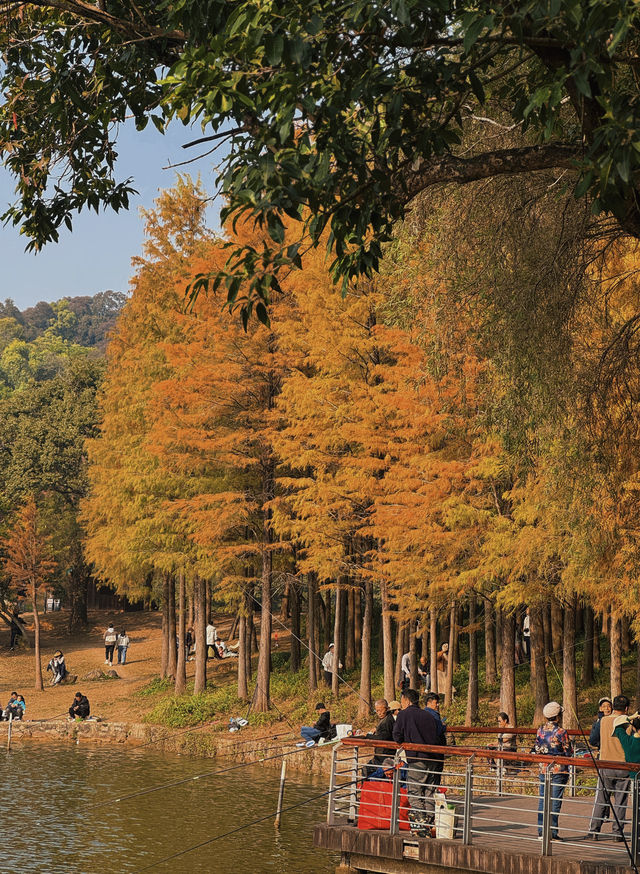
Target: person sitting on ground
605 708
613 783
224 652
552 740
322 727
423 672
79 709
21 708
57 667
12 708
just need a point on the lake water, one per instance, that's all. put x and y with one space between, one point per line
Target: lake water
60 813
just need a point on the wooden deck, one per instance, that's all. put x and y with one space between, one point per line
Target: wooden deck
504 841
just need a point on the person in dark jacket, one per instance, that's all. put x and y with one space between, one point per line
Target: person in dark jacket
605 708
383 731
80 707
417 726
322 727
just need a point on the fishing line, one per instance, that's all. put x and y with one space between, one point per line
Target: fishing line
606 792
244 826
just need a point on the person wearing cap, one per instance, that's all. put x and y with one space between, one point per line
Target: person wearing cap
328 662
394 708
321 728
613 783
552 740
57 667
605 708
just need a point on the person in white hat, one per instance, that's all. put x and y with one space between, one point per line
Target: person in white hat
552 740
328 664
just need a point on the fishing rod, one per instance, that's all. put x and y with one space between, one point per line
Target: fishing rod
244 826
607 794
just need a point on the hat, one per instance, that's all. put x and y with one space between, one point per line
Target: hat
395 705
331 644
602 701
551 709
57 653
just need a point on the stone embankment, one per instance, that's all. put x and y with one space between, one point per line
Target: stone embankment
238 746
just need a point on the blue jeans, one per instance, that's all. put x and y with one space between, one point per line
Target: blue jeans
308 732
558 782
122 655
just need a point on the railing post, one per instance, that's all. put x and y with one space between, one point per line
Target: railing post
500 767
353 792
468 801
546 813
332 784
572 781
395 799
635 800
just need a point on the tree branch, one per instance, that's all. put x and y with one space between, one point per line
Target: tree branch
503 162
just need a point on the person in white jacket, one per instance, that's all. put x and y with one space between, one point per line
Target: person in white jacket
328 662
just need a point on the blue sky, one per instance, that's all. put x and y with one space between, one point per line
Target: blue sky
96 256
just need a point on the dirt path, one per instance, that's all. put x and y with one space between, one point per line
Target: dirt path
84 652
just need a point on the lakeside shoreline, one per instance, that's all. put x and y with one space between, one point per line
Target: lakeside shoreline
265 749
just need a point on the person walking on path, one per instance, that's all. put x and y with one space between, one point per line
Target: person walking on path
110 638
417 726
122 643
613 783
552 740
328 662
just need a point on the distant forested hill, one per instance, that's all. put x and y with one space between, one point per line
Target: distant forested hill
83 320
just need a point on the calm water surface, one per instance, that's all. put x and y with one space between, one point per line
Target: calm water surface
60 814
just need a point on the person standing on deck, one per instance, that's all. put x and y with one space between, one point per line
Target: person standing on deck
405 669
605 708
416 726
613 783
552 740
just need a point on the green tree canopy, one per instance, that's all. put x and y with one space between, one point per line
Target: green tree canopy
335 115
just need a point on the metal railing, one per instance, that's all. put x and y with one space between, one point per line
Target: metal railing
483 796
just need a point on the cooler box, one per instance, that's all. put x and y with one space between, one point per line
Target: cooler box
343 730
375 805
445 818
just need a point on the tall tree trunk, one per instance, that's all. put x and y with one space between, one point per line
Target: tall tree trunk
78 588
499 633
570 695
637 696
357 601
249 605
314 655
413 655
472 689
36 638
285 604
626 635
173 653
181 667
425 638
455 652
597 656
508 672
538 665
556 631
448 692
587 653
262 699
364 705
164 655
207 593
546 624
490 667
400 651
337 650
616 655
191 608
433 654
243 689
294 608
350 650
387 644
200 631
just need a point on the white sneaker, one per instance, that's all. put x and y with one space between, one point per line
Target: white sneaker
310 743
106 661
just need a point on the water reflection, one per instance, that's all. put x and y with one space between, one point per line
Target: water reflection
61 814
